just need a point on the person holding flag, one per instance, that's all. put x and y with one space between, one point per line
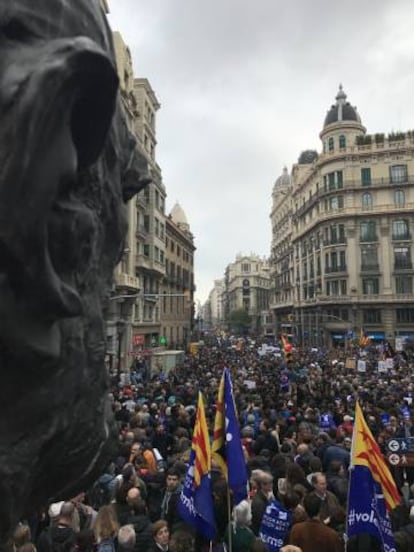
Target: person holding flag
196 500
372 491
227 449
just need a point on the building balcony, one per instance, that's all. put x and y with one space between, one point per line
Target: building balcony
372 267
368 239
403 266
354 211
401 237
335 269
127 281
142 201
335 241
142 232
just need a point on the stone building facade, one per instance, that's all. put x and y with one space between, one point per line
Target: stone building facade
247 284
177 290
342 236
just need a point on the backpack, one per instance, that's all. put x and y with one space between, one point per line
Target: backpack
101 492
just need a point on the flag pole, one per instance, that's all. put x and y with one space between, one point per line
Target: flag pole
229 517
350 469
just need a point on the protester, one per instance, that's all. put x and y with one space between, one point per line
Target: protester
296 439
313 535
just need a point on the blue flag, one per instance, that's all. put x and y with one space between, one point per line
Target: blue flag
276 523
196 500
372 491
366 510
227 449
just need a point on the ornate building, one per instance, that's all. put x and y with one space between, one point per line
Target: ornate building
177 291
133 319
342 235
247 285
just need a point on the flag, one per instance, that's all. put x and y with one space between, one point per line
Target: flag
227 449
284 341
364 340
196 499
372 491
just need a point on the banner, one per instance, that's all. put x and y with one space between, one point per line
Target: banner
276 523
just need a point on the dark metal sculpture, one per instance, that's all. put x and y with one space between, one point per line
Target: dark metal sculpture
67 165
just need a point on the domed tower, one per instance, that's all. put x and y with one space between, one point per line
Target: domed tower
342 125
283 182
179 218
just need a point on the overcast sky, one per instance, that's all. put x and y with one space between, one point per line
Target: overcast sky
244 86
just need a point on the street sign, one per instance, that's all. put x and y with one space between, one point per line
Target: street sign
400 452
400 445
401 460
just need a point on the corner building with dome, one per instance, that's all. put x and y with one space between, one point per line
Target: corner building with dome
342 226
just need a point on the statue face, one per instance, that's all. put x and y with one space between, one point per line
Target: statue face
67 165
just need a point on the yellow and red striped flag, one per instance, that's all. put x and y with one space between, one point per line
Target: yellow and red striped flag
366 452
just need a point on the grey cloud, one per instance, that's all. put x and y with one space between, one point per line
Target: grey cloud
245 86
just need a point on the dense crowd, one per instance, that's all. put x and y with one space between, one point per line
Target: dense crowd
296 424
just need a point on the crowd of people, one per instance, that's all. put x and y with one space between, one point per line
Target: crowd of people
296 424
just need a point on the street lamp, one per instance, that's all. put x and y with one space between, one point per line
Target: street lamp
120 328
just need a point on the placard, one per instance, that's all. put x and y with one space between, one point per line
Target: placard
350 363
362 366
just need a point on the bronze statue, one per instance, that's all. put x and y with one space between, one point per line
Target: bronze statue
67 166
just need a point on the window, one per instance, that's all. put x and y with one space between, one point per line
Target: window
337 233
370 286
402 258
146 250
343 287
367 201
400 230
342 142
368 231
372 316
369 258
245 267
331 144
398 173
366 176
399 198
403 284
147 194
333 181
335 287
405 316
336 202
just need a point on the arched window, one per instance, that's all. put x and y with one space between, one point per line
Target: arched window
331 144
399 198
342 142
367 201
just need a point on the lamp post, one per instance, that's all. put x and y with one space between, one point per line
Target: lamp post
120 328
